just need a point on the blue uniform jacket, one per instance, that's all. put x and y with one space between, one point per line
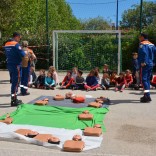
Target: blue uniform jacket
146 53
13 52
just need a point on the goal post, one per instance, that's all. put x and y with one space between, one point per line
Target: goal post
56 34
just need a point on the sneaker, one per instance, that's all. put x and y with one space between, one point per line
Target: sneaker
116 89
88 89
121 90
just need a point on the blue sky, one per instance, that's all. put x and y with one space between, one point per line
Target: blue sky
84 9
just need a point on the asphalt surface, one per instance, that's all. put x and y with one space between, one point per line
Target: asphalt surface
130 125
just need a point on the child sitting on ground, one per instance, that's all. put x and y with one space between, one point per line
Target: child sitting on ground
97 73
105 81
49 81
153 82
74 73
54 74
79 81
113 79
91 81
39 83
67 81
129 78
120 82
32 77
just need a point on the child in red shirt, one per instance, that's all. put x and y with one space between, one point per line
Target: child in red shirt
129 78
120 82
67 81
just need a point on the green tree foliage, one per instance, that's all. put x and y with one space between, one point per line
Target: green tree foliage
29 17
131 17
87 51
98 23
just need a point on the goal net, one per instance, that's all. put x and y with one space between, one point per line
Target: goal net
86 49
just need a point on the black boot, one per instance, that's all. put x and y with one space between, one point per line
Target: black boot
145 99
15 101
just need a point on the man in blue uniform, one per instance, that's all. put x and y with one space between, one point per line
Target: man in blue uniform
146 58
14 54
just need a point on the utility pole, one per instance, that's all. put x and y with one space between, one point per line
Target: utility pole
47 32
117 13
141 4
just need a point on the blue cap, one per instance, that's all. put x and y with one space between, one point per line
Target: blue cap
16 34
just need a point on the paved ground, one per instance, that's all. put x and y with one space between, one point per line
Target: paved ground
131 125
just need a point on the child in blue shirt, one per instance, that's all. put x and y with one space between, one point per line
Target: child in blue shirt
49 82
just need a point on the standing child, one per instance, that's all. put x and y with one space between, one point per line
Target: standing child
106 69
105 81
54 74
79 81
67 81
49 81
91 81
120 82
135 74
129 78
40 81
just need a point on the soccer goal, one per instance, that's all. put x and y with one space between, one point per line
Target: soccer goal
86 49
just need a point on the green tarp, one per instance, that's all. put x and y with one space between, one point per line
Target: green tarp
59 117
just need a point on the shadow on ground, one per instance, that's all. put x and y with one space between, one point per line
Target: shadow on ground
115 102
4 81
5 105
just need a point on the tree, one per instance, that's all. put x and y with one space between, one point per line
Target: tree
98 23
131 17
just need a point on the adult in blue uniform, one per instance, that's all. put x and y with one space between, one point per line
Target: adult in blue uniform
26 63
146 58
14 54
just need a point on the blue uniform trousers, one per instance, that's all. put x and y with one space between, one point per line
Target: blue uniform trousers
14 71
24 79
146 74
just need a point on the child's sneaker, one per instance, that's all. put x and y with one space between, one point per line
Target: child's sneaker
116 89
88 89
121 90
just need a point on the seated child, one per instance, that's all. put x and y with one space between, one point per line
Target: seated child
129 78
106 69
54 74
49 82
105 81
67 81
97 73
113 79
120 82
91 81
153 82
74 73
32 77
39 83
79 81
